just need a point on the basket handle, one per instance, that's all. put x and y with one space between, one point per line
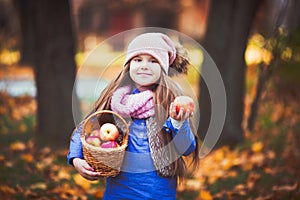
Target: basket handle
105 112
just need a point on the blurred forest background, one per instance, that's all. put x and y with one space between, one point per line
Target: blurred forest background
255 45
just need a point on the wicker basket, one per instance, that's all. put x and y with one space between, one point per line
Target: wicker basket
107 161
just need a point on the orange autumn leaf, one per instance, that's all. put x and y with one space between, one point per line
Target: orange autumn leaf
17 146
247 166
227 163
99 193
6 189
28 157
219 155
82 182
204 195
65 190
2 158
257 147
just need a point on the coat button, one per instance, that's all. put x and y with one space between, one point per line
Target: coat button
168 130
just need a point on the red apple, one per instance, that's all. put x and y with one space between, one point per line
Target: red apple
108 132
109 144
93 140
185 102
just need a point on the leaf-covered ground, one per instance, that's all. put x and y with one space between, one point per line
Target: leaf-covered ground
264 166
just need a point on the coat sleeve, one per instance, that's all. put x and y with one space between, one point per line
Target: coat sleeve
184 139
75 149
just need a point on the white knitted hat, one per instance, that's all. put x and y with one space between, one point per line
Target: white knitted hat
158 45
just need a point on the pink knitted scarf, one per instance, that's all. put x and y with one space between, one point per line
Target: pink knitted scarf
140 105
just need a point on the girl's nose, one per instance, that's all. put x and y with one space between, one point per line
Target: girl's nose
144 65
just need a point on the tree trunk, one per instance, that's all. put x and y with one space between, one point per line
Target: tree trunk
26 10
292 20
55 72
166 15
226 38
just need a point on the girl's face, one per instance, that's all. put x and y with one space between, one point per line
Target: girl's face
144 71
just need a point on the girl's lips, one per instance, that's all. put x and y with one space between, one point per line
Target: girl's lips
144 74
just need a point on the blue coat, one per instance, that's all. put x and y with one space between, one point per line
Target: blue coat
138 178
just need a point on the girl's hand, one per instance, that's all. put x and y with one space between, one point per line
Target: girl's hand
85 170
181 115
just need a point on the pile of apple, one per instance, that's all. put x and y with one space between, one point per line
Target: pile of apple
105 137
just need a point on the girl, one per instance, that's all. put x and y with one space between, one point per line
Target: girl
159 136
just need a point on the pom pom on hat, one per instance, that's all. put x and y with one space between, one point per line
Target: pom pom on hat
158 45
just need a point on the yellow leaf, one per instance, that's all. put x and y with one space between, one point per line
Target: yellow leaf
240 187
18 146
227 163
9 57
82 182
204 195
257 147
63 174
39 185
193 184
23 128
219 155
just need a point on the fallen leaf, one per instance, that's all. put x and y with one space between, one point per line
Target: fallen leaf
2 158
63 174
9 164
204 195
271 154
100 193
257 147
192 184
82 182
39 185
269 170
240 187
44 163
227 163
286 188
23 128
257 159
28 157
17 146
220 154
65 190
6 189
247 166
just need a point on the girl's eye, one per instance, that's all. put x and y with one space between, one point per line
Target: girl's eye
153 61
137 59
